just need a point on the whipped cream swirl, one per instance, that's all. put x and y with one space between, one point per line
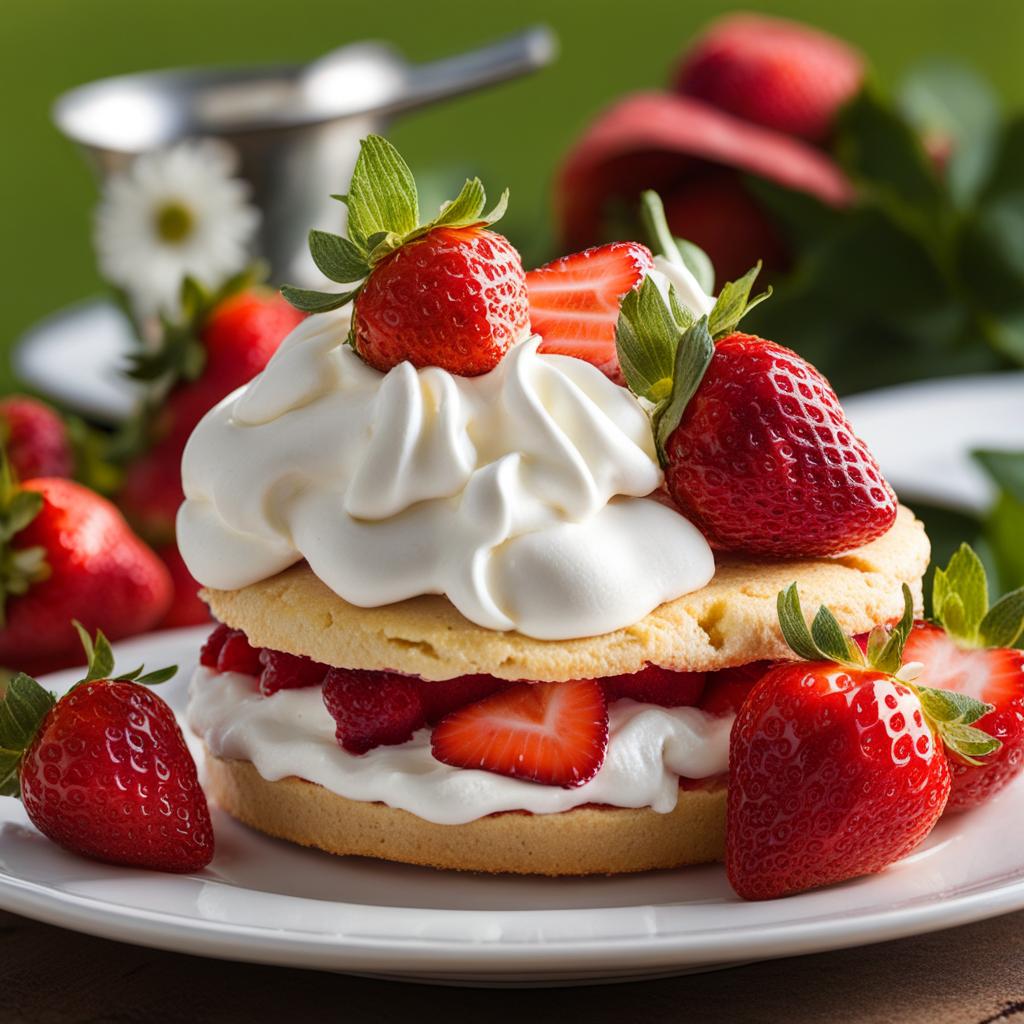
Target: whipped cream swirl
519 494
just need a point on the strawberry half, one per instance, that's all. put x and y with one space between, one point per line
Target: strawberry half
551 733
574 301
836 763
969 650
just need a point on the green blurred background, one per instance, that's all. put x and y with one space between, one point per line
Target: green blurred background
512 135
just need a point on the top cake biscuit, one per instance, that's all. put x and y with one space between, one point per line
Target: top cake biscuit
731 621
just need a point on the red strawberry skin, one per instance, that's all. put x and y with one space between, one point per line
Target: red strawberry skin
108 776
187 609
441 698
994 676
100 574
654 685
35 439
574 301
455 298
554 734
775 73
372 709
288 672
833 774
764 461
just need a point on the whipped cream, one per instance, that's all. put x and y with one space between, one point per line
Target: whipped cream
291 733
688 290
520 494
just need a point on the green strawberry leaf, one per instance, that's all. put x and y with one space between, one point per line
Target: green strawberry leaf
734 302
98 654
831 641
969 743
675 250
646 338
310 301
960 595
694 353
19 567
24 706
698 262
890 657
10 762
337 258
382 193
794 625
157 676
950 706
1003 624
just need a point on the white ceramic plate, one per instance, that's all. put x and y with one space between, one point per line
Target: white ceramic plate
270 902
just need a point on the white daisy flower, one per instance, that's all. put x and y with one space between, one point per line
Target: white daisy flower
174 213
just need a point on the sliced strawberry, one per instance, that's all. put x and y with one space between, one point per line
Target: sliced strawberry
238 655
552 733
654 685
442 698
209 654
288 672
728 688
994 676
574 300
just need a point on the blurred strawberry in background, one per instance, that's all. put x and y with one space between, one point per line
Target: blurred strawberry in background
753 96
221 341
35 438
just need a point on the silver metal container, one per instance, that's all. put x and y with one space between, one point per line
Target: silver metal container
295 128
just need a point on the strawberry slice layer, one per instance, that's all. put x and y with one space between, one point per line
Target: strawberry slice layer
574 300
555 734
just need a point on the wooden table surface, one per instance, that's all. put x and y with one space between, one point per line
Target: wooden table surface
969 975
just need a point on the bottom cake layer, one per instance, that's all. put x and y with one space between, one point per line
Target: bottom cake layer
583 841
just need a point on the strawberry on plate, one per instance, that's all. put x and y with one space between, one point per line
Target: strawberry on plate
104 770
836 763
448 293
775 73
757 450
554 734
68 554
574 301
35 438
969 649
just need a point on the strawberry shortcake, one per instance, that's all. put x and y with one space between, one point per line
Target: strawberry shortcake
496 557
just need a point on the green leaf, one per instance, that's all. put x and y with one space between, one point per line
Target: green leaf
99 655
160 675
382 194
960 595
950 104
22 710
466 208
699 264
10 762
882 152
794 625
694 353
1004 623
310 301
646 337
969 743
950 706
829 638
734 302
337 257
890 657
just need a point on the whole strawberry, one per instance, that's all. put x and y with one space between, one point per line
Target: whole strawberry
836 764
775 73
969 649
35 438
757 450
68 554
447 293
104 771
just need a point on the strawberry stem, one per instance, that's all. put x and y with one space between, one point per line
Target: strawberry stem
655 224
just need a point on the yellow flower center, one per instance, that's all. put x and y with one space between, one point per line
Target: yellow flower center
174 222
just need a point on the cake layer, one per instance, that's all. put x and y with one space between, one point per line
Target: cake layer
585 841
731 621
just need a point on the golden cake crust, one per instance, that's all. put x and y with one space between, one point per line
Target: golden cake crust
731 621
585 841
